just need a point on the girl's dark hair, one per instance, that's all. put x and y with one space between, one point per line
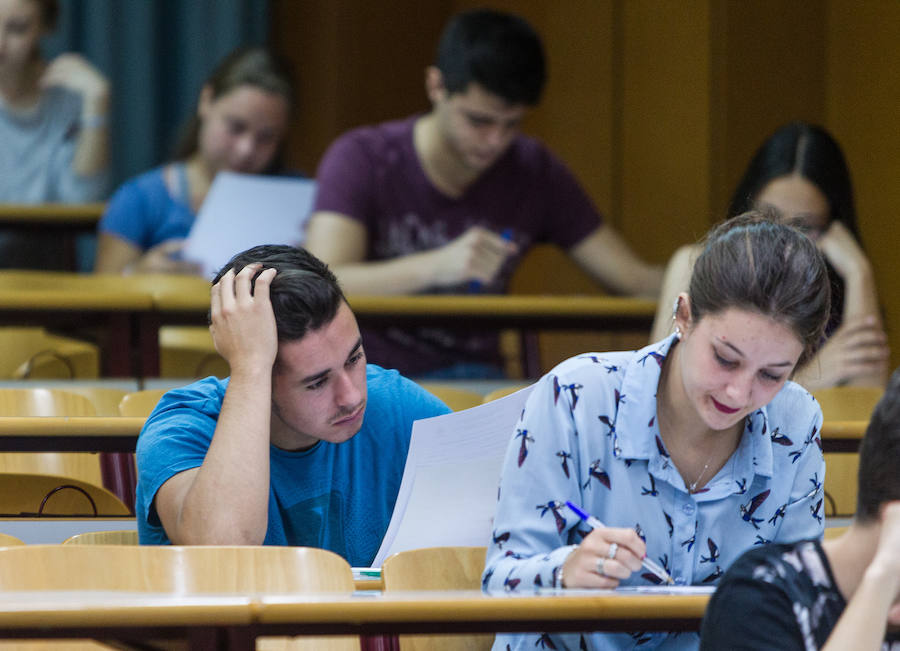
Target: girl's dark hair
811 152
754 263
257 67
879 455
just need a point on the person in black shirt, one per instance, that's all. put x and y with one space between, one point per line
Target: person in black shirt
838 594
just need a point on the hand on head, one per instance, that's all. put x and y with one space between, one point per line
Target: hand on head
605 557
478 254
242 322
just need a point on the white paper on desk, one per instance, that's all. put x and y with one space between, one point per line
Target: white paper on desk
448 493
244 210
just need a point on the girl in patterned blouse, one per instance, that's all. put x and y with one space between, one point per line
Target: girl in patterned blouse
690 451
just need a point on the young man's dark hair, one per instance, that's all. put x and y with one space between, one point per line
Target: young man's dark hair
879 456
498 51
305 295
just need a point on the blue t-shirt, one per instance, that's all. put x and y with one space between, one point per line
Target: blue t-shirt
144 212
336 496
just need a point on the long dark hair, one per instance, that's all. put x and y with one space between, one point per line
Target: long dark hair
755 263
811 152
254 66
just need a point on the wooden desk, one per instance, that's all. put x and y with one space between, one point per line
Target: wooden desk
843 435
60 434
82 434
203 621
62 300
234 621
468 611
185 300
66 221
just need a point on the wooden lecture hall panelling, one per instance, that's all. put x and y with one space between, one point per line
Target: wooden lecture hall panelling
656 106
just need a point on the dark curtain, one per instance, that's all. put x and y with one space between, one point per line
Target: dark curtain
156 54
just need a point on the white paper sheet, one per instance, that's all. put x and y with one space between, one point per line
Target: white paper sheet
449 488
244 210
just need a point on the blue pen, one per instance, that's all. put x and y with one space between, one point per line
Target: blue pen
476 285
646 562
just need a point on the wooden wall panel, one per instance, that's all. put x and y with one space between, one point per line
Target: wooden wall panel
355 63
863 104
664 114
768 69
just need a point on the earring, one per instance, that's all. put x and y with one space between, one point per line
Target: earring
678 333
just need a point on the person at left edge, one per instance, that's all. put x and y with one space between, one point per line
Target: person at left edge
303 445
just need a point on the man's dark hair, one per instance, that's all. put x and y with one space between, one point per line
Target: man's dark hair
498 51
879 455
305 295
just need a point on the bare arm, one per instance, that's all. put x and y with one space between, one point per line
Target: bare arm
225 500
340 241
116 255
857 352
74 72
874 603
676 279
607 257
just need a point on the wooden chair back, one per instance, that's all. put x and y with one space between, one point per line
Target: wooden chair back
38 494
9 541
438 568
502 392
118 537
189 352
454 397
32 353
185 570
43 402
104 399
140 403
844 403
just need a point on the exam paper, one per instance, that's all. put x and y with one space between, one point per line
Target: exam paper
243 210
449 488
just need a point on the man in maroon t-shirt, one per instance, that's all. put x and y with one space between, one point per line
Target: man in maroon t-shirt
447 202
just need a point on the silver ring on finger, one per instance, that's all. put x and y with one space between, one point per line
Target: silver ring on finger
600 562
611 552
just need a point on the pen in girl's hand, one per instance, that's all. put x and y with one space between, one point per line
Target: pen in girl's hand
660 572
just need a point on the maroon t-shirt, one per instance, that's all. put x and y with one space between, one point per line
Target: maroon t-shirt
373 174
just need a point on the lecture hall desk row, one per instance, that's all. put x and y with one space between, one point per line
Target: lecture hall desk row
129 311
233 621
119 435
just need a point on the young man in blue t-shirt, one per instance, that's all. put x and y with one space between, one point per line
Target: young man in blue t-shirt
304 444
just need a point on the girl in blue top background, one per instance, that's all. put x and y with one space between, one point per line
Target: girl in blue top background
691 451
240 124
